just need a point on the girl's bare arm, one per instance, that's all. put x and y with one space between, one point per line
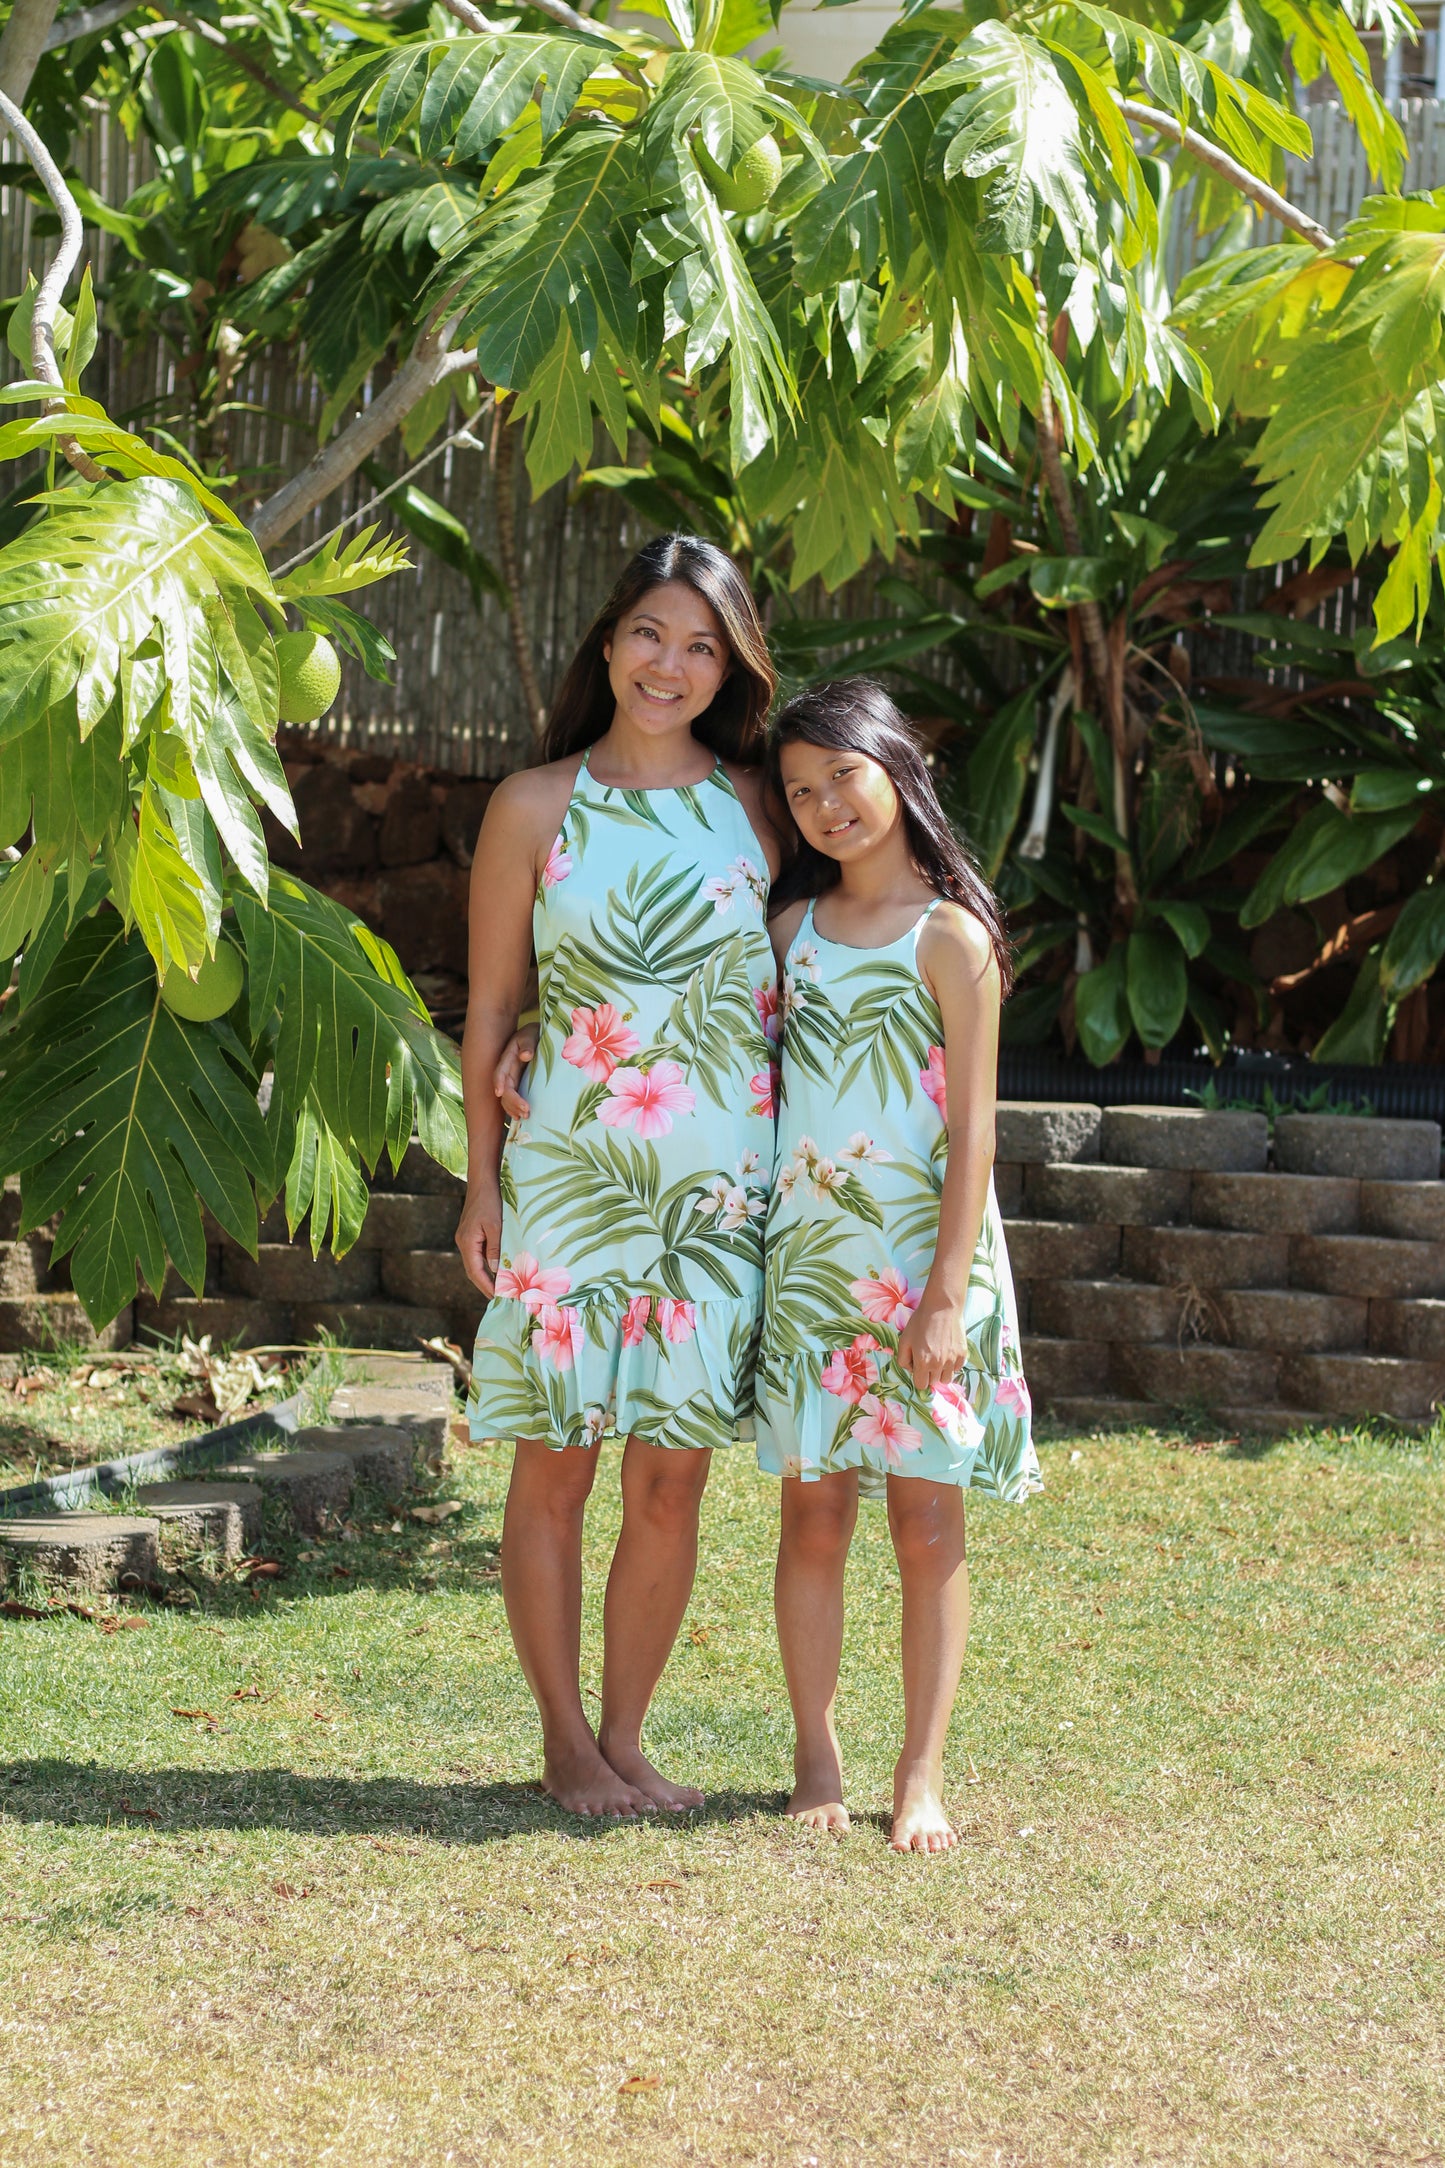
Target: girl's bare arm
959 968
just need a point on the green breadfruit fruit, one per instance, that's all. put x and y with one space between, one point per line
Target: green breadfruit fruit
308 669
753 179
211 992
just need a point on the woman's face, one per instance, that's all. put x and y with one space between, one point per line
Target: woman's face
666 659
843 802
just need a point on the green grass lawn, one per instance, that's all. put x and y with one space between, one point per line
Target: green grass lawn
1196 1915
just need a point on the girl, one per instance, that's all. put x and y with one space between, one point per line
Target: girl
619 1234
890 1355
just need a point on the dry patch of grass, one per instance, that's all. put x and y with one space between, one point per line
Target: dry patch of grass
1196 1917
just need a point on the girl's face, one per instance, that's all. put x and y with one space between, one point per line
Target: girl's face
666 659
843 802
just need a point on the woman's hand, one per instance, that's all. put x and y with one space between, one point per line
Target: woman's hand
933 1345
507 1075
479 1235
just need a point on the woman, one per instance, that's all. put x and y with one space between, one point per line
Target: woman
620 1233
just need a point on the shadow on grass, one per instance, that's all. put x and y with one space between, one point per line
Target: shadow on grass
90 1795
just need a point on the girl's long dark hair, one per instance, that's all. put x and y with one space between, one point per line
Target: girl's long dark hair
855 715
733 725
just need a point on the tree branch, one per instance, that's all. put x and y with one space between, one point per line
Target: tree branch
557 9
88 20
22 42
47 296
430 363
1229 169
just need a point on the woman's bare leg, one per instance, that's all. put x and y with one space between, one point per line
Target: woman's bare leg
817 1528
542 1589
647 1591
926 1521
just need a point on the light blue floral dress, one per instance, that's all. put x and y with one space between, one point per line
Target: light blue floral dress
630 1292
851 1233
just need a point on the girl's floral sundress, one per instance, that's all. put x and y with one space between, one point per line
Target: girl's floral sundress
630 1291
850 1237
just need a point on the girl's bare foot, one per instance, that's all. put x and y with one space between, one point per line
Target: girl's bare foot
817 1800
583 1782
635 1770
919 1822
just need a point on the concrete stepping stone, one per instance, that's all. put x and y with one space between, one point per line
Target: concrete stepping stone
424 1405
381 1454
1194 1140
93 1551
1031 1132
225 1515
311 1487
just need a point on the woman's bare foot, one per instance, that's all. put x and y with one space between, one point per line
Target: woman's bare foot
817 1800
919 1822
635 1770
582 1781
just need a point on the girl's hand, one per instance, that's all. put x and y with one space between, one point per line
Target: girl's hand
933 1345
507 1075
479 1236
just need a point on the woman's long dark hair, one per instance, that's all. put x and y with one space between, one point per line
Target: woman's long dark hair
733 725
855 715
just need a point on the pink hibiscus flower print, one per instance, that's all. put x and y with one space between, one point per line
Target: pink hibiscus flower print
598 1041
850 1371
677 1321
890 1299
1012 1395
558 1337
952 1410
764 1088
527 1282
765 1001
646 1099
558 865
881 1424
933 1079
634 1320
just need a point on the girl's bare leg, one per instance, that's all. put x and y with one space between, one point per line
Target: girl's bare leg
926 1522
647 1591
817 1529
542 1589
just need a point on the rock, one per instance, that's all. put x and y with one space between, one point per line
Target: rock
1008 1187
1203 1257
1121 1196
428 1276
1103 1310
1414 1211
1055 1250
1037 1131
381 1454
1372 1266
231 1320
1189 1138
25 1265
227 1516
1290 1320
92 1551
10 1208
411 1223
1416 1329
419 1175
312 1488
287 1272
337 835
370 1324
1365 1147
425 1413
39 1323
1201 1375
1275 1204
462 810
411 825
424 915
1363 1385
1103 1413
1058 1369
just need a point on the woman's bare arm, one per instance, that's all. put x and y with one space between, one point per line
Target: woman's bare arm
518 828
958 965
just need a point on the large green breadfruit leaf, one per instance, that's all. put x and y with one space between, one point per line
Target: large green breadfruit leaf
127 1121
353 1033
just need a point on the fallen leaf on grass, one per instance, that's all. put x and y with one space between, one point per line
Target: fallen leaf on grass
120 1625
284 1889
639 2085
139 1814
34 1381
195 1408
320 1716
261 1569
699 1637
430 1515
204 1715
664 1882
11 1609
245 1693
343 1573
195 1912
